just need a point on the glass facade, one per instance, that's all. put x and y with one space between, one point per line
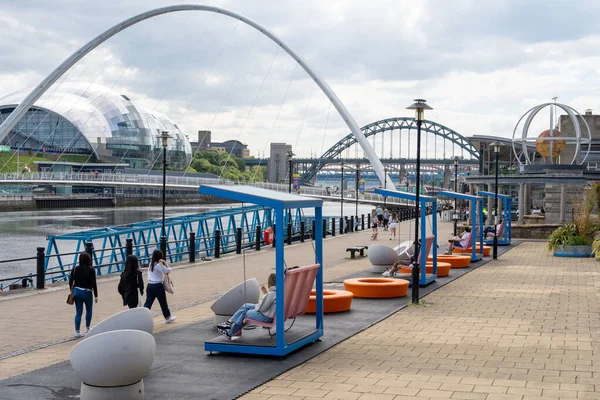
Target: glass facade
87 118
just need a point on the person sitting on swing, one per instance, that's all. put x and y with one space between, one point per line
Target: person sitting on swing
462 241
263 311
405 259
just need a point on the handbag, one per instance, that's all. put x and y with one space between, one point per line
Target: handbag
70 299
168 284
140 300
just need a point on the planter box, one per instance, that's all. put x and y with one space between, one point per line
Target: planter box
573 251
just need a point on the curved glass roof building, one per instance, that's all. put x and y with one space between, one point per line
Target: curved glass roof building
83 118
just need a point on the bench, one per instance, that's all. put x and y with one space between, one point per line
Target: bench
354 249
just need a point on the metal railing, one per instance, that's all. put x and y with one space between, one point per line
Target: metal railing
189 248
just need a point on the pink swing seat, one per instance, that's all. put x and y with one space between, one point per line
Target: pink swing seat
297 287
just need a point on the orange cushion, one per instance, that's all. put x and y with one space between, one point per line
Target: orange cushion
333 301
443 269
377 288
486 250
456 261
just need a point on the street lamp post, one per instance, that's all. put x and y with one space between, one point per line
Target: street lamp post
342 198
290 154
357 182
384 185
419 106
455 215
496 147
164 137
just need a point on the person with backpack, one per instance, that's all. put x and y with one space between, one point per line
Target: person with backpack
82 283
131 285
157 269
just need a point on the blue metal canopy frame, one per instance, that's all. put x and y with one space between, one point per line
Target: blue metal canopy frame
476 203
279 202
506 217
423 201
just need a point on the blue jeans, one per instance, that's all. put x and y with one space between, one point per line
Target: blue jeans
157 291
246 311
83 296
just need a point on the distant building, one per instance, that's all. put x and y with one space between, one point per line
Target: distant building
565 126
279 162
90 119
233 147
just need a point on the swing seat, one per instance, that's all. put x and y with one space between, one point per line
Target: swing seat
428 245
297 287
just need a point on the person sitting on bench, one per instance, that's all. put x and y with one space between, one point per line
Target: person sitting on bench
462 241
263 311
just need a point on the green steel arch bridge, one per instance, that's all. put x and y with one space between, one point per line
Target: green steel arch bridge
396 138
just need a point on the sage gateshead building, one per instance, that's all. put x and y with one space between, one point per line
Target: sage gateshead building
89 119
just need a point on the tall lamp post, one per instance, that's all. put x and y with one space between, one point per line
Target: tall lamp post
290 154
496 147
342 196
455 215
164 137
419 106
357 183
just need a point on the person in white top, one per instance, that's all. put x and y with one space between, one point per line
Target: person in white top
393 225
157 270
463 241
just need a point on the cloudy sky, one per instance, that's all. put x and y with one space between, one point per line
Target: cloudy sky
481 64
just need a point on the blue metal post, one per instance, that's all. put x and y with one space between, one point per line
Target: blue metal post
319 260
279 270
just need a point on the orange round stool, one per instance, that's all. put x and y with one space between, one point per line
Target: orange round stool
333 301
486 250
443 269
377 288
455 261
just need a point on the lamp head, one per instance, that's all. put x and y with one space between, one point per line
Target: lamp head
455 160
419 106
164 137
496 146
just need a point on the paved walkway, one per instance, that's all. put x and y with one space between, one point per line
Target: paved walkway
36 330
526 326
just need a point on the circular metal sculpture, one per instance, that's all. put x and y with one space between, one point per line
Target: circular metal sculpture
551 143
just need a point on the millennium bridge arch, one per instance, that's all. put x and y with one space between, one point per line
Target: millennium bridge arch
386 125
36 93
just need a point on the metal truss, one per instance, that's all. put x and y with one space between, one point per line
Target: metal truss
391 124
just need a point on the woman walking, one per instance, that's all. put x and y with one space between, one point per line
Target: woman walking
131 283
393 225
82 283
157 270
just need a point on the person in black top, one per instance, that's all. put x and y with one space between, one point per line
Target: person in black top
82 283
131 281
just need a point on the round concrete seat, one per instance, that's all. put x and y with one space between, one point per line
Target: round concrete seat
333 301
486 250
455 260
443 269
226 305
377 288
381 257
136 318
114 359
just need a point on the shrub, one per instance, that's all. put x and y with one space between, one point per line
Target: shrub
579 241
561 236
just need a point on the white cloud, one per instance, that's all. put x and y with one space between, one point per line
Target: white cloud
479 64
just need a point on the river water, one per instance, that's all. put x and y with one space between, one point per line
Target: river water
21 232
